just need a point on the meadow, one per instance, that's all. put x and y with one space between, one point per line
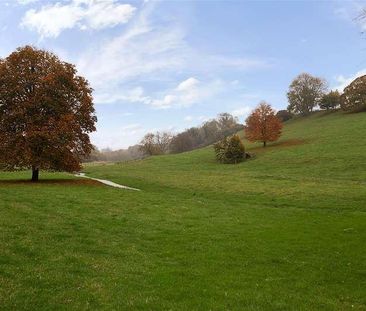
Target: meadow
285 230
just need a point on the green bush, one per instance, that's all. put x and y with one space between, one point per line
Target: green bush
230 150
284 115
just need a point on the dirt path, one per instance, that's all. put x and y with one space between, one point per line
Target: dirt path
107 182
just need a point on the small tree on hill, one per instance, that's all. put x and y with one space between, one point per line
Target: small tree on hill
155 143
330 101
262 125
305 93
46 113
354 95
148 145
230 150
163 140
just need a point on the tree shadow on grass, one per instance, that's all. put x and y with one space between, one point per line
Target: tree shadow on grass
58 182
280 144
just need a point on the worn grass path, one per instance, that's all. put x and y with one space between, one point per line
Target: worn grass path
107 182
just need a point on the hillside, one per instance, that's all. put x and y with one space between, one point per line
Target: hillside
285 229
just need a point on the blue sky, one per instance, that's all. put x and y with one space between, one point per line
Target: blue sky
170 65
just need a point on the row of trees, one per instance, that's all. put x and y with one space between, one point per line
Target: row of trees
307 92
109 155
208 133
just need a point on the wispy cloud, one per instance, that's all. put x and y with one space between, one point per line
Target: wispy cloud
143 50
151 61
151 51
187 93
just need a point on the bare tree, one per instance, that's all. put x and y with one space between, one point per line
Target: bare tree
156 143
147 144
163 140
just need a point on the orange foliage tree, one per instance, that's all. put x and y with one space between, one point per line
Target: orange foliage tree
46 113
262 125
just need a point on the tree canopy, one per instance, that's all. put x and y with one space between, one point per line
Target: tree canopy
46 113
354 95
262 125
305 93
284 115
155 143
330 100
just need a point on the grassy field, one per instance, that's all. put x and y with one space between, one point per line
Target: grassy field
284 231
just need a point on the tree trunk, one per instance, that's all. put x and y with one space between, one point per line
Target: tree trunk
35 174
264 143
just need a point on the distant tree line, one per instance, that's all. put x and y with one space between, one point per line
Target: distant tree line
195 137
165 142
108 155
307 93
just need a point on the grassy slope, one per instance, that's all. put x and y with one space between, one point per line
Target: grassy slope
282 232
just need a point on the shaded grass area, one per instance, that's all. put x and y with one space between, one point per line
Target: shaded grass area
285 231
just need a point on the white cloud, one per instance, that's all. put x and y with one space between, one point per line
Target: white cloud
134 95
188 92
51 20
241 112
188 84
188 118
343 81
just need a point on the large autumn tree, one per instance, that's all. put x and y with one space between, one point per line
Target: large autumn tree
262 125
46 113
305 93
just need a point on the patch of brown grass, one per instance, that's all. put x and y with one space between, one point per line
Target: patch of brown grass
58 182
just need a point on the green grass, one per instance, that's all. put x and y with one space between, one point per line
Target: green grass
284 231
